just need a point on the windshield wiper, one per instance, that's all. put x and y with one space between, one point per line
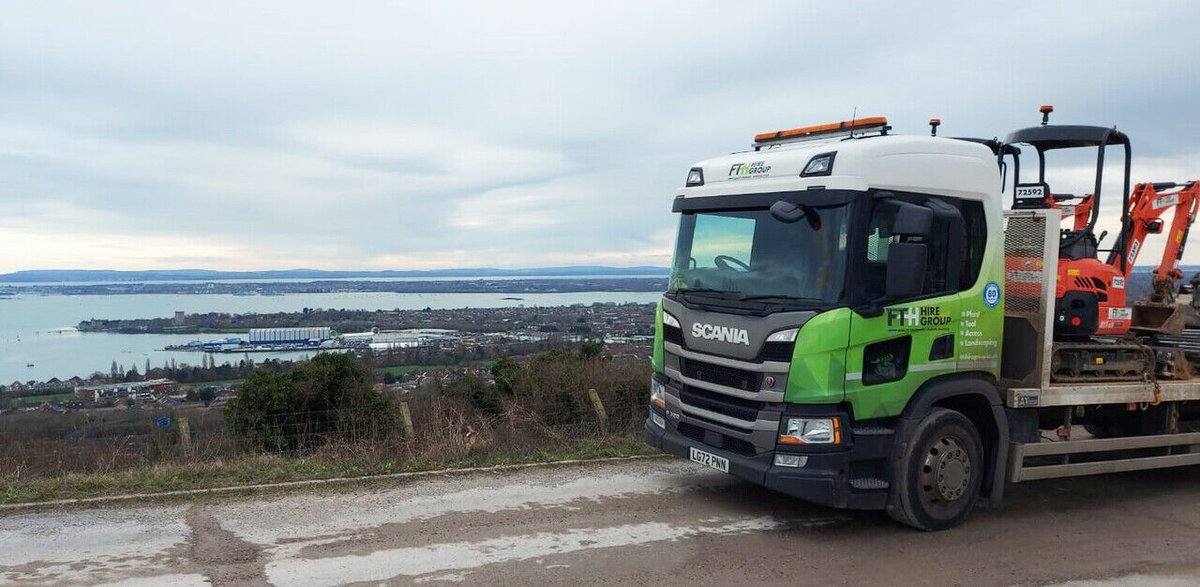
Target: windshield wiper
780 298
705 290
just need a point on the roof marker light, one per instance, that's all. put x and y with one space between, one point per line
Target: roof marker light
695 177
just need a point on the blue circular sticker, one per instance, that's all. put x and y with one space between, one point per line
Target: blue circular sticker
991 294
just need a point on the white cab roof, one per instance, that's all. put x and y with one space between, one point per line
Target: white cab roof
929 165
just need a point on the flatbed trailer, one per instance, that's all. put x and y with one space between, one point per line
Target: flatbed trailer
1028 385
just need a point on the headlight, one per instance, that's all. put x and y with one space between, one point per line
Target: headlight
788 335
657 391
812 431
669 320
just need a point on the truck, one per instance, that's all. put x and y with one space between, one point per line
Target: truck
861 319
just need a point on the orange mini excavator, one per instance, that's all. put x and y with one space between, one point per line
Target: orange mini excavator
1091 293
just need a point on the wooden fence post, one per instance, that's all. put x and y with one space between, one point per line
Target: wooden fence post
406 418
185 433
599 407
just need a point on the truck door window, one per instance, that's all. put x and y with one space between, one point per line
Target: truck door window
879 236
975 227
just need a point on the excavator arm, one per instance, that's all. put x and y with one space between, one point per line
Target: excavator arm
1147 205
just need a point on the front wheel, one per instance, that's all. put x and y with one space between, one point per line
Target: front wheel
939 477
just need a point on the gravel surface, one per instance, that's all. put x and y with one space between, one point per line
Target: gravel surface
632 523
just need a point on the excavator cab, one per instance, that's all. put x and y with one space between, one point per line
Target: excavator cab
1090 297
1079 242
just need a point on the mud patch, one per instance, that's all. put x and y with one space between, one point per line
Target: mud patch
221 555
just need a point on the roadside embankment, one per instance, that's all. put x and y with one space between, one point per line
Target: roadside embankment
325 421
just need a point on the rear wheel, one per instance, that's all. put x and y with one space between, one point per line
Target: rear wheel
939 477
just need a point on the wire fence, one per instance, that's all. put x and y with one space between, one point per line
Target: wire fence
425 429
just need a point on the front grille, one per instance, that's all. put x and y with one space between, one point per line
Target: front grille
722 404
720 375
771 351
712 422
739 446
729 443
691 431
777 351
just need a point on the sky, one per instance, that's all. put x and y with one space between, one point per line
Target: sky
404 135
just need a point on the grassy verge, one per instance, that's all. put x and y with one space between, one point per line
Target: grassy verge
218 383
264 469
37 399
406 369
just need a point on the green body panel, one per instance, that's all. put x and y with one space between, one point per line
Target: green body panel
818 371
923 322
656 359
975 324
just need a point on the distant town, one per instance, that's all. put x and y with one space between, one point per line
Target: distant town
406 348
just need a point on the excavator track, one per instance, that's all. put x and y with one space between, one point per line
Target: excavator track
1078 362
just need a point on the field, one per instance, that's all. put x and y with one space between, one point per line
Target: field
37 399
402 370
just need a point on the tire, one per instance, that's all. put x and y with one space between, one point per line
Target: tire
939 476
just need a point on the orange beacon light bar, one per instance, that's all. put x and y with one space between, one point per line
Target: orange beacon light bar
804 132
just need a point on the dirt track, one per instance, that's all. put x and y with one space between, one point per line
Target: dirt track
634 523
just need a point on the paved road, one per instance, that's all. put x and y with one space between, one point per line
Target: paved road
643 522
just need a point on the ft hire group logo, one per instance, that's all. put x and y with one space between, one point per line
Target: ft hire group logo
740 170
917 316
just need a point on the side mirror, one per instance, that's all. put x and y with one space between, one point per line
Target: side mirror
905 269
912 220
787 212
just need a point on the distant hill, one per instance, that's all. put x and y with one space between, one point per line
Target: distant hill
85 275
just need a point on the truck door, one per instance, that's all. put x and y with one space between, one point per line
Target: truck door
893 351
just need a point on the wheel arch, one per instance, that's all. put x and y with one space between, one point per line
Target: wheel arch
975 396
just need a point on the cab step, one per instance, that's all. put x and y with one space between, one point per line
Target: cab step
869 483
872 431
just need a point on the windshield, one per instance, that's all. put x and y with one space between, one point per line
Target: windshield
749 255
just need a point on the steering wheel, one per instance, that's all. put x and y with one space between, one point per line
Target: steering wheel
727 262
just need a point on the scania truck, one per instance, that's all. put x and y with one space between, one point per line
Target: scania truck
854 318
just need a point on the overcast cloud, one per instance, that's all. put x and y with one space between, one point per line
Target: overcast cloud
278 135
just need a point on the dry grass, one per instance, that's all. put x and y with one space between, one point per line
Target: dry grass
545 416
331 462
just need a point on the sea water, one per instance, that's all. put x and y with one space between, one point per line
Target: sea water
38 339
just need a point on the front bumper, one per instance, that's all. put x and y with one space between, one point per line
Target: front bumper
824 477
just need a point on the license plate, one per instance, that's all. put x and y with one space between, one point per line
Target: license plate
710 460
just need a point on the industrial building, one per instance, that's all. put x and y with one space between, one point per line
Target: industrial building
313 335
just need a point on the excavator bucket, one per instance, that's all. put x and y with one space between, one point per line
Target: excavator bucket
1161 318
